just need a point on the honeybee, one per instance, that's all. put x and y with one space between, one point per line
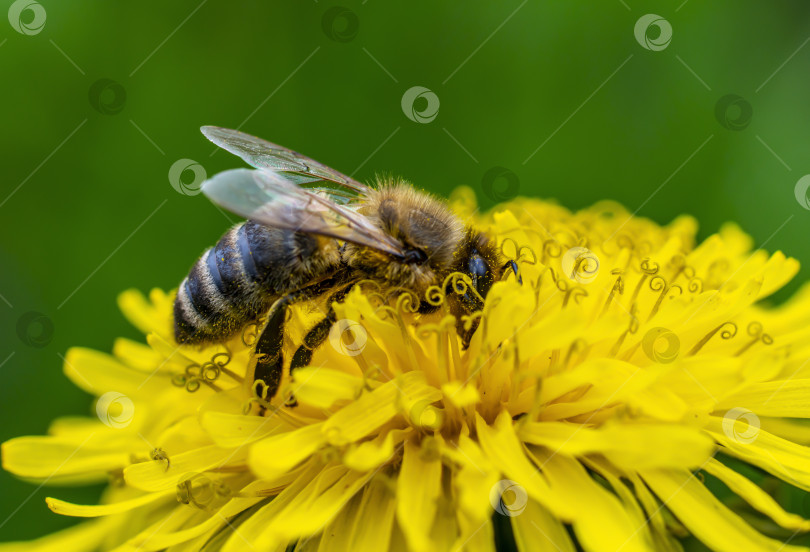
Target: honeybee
314 232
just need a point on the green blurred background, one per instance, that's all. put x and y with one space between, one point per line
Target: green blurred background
88 209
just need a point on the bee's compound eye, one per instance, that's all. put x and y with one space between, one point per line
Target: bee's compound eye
477 266
415 256
480 274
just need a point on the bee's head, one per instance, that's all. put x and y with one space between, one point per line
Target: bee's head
480 259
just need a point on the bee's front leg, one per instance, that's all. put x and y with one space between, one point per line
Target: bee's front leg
513 266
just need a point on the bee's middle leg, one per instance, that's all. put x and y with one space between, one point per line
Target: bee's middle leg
318 333
268 351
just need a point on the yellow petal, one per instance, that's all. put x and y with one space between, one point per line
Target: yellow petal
777 272
182 436
659 525
375 518
178 526
787 398
99 373
84 537
509 308
60 460
501 445
444 533
256 524
536 530
277 454
234 430
609 382
82 427
146 315
323 387
706 517
633 446
463 202
78 510
136 355
701 379
386 345
605 525
556 330
797 431
460 395
371 454
788 461
313 507
155 476
176 358
474 479
755 496
337 534
373 409
174 527
663 536
418 487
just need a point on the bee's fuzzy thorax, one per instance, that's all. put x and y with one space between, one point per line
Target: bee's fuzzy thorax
416 218
420 222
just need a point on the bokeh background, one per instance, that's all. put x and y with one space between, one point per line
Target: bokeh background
559 100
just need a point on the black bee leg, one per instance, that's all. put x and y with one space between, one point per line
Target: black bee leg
317 334
315 337
268 350
514 267
269 357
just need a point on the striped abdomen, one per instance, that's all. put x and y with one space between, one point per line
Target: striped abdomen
236 281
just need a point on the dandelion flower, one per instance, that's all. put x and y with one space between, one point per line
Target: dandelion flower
597 396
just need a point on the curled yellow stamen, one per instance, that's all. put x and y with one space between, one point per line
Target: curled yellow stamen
757 333
725 334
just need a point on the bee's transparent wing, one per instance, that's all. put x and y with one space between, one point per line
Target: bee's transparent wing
298 169
272 200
